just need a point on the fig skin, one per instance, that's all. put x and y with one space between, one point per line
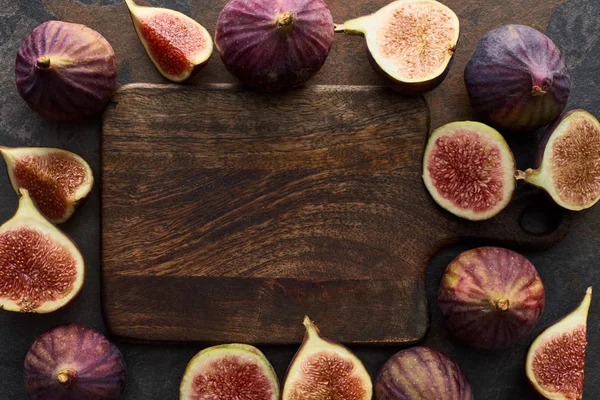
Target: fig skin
57 180
343 375
468 150
491 297
565 344
369 26
516 79
274 45
568 161
65 71
178 46
421 373
48 258
74 362
250 361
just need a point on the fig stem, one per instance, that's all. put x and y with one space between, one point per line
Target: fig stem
285 20
337 28
502 304
537 91
43 62
65 376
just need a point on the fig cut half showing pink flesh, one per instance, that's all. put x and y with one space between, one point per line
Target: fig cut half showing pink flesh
469 169
41 269
569 161
178 46
410 43
556 359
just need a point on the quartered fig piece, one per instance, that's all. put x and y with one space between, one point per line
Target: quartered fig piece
322 370
569 161
274 45
229 372
74 362
468 169
421 373
56 179
556 359
41 269
65 71
178 46
491 297
410 43
516 79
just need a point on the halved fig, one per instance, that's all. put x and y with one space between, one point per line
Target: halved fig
57 180
41 269
468 169
556 359
322 370
229 372
410 43
178 46
569 161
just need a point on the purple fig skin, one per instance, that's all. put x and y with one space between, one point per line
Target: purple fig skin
74 362
274 45
65 71
421 373
516 79
491 297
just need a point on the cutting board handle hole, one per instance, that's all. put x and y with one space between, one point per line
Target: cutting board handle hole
540 218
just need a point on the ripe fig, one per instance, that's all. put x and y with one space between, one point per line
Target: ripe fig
410 43
491 297
322 369
41 269
274 45
229 372
516 79
421 373
74 362
65 71
468 169
569 161
178 46
56 179
556 359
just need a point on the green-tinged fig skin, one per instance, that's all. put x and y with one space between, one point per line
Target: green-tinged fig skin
274 45
421 373
74 362
491 297
65 71
516 79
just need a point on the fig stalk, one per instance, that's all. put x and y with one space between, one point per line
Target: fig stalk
286 20
65 376
502 304
43 62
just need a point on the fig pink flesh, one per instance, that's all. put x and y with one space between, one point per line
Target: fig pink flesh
215 381
558 365
328 376
467 170
28 278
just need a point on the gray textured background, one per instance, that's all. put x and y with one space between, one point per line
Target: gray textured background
154 371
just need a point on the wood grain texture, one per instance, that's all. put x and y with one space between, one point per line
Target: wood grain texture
228 215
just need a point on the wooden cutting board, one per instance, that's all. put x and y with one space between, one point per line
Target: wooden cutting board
228 215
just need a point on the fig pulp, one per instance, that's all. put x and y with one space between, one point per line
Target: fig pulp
491 297
178 46
74 362
274 45
556 359
516 79
229 372
41 269
569 161
323 370
55 179
410 43
468 169
421 373
65 71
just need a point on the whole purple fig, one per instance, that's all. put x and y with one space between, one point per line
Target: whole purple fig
516 79
74 362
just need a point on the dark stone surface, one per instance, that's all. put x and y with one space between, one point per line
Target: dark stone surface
154 371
